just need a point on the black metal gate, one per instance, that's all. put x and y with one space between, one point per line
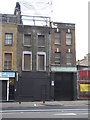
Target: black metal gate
63 86
34 86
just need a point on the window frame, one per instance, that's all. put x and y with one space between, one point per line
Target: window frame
28 53
69 63
37 66
68 38
4 61
59 33
29 34
57 57
7 43
38 34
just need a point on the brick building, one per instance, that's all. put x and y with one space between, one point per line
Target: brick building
63 60
8 54
0 44
33 61
85 61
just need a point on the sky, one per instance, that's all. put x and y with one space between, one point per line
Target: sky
67 11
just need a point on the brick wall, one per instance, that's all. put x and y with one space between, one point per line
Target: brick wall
10 28
63 48
33 30
0 46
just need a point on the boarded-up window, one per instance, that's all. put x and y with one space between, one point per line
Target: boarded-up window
8 38
41 41
68 38
27 39
69 58
27 62
57 38
57 57
40 62
7 61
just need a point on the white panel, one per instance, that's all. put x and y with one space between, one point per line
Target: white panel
68 30
7 90
57 50
69 50
36 7
4 78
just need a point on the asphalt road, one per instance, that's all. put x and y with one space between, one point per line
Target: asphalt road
75 110
46 113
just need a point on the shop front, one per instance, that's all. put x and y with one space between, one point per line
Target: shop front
7 86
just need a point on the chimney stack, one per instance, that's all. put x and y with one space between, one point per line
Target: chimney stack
17 10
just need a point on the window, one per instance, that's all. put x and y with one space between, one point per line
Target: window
68 38
89 58
8 61
69 58
57 57
41 41
8 38
27 39
41 61
27 61
57 38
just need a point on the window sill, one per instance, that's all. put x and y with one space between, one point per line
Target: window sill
41 46
68 64
57 64
7 70
27 45
27 70
57 43
69 45
41 70
8 44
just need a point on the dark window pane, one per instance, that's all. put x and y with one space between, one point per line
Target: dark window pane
8 61
57 38
27 39
68 39
69 58
41 40
57 57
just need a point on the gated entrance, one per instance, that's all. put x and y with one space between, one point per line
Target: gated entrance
34 86
63 86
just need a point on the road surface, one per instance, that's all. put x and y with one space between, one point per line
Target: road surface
46 113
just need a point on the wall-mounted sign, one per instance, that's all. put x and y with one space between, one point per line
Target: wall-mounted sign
7 74
52 83
84 87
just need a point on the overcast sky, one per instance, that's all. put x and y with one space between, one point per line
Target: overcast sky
68 11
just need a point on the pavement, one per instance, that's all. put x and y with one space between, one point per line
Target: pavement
47 103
